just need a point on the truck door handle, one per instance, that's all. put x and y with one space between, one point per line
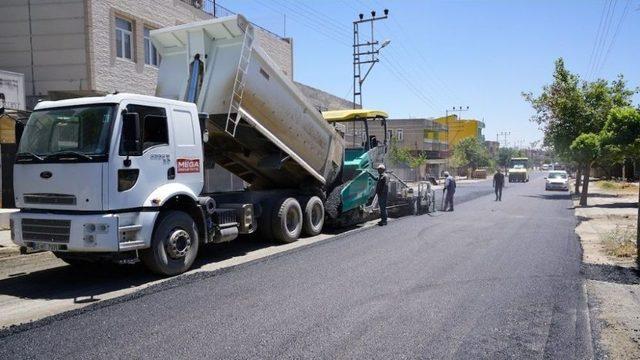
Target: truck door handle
171 173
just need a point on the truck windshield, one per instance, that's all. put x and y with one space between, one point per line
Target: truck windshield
69 133
519 163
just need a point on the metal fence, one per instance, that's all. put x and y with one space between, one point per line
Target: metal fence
213 8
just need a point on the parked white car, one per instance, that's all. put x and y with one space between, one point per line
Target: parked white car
557 180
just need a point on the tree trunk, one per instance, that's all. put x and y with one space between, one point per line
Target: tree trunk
578 176
585 185
638 231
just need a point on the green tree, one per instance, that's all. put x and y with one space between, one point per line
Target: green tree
470 153
504 155
585 149
402 155
568 108
622 130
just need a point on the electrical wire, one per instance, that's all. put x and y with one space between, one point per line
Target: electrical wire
331 30
603 39
625 11
597 39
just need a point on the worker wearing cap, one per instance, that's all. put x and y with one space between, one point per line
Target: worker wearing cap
448 191
382 189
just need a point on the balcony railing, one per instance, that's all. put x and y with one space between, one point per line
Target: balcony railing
213 8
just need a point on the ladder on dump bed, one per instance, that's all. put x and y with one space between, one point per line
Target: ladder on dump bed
233 116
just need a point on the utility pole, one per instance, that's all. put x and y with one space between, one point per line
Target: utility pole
459 109
364 54
504 134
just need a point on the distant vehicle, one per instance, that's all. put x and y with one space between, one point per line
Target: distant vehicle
518 169
545 167
557 180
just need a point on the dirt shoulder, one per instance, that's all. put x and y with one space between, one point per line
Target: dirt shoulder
607 232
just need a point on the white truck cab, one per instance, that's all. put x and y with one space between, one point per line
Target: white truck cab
80 189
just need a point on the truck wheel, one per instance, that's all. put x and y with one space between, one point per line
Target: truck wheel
174 244
287 221
313 217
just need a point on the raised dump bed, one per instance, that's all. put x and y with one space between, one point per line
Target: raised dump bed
261 127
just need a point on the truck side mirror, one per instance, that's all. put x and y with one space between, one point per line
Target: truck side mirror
131 134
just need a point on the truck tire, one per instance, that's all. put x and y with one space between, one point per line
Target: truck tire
287 220
174 244
313 216
334 201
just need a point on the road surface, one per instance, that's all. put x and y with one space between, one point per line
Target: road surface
490 280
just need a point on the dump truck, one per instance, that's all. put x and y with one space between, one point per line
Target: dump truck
518 169
124 177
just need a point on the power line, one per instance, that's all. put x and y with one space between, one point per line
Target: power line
598 34
331 30
404 80
603 39
397 66
442 84
311 23
313 17
625 11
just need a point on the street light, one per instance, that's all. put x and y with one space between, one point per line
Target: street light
384 43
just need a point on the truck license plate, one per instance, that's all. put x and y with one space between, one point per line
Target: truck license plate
45 247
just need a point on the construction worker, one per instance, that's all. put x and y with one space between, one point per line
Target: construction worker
498 184
448 191
382 189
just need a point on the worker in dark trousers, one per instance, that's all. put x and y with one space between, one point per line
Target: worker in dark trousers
448 191
498 184
382 189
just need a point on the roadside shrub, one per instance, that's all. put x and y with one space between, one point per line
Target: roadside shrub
621 242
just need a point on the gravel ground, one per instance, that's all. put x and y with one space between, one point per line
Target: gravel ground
613 284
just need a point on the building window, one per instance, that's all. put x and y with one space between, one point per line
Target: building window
390 134
399 135
124 39
151 56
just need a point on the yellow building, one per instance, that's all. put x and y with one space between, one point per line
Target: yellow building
459 129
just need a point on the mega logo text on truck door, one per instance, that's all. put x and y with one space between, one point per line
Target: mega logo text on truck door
188 165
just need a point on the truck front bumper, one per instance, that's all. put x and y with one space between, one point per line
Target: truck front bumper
82 233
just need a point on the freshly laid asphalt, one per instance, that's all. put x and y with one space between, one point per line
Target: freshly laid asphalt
490 280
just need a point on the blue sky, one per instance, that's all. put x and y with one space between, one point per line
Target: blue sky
480 54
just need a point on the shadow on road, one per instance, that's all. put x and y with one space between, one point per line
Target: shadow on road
611 273
67 282
561 196
616 205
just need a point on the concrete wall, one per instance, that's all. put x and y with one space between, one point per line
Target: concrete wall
323 100
57 47
279 50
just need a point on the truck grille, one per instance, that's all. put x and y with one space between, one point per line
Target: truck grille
224 216
50 199
54 231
